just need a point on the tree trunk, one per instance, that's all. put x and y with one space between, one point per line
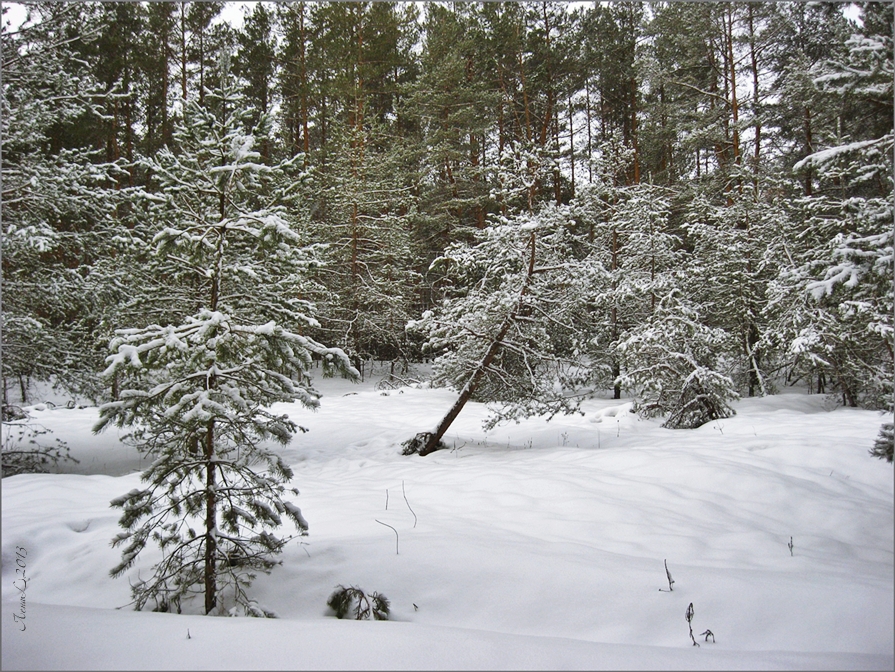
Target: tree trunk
755 99
590 168
755 382
129 133
809 147
166 131
734 105
557 182
572 144
210 518
183 51
634 143
616 370
304 84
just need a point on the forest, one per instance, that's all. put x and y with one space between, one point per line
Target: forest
647 246
711 186
663 211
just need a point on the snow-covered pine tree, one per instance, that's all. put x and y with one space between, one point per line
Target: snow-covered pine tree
366 221
671 360
844 249
196 391
515 328
627 229
728 275
523 167
884 446
58 209
647 335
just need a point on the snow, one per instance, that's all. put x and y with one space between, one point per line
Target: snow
537 545
824 156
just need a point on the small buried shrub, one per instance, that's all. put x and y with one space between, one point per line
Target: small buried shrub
23 451
353 601
705 397
884 446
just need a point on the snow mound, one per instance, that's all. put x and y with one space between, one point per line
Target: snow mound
614 412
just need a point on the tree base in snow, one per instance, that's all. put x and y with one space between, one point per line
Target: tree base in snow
417 445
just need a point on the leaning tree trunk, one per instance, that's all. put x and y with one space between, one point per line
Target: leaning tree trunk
434 439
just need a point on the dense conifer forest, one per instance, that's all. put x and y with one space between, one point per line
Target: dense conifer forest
645 198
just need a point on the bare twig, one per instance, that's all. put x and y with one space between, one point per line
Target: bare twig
394 530
408 503
708 633
790 546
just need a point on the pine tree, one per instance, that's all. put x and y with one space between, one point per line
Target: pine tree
365 176
255 63
57 204
296 79
884 446
729 275
369 273
672 362
196 392
843 254
627 229
156 59
515 329
452 101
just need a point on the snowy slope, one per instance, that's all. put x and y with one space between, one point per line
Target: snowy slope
539 545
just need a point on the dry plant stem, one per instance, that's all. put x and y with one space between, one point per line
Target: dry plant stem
406 502
394 530
690 613
670 580
790 547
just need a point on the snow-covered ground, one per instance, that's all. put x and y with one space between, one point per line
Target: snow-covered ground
539 545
